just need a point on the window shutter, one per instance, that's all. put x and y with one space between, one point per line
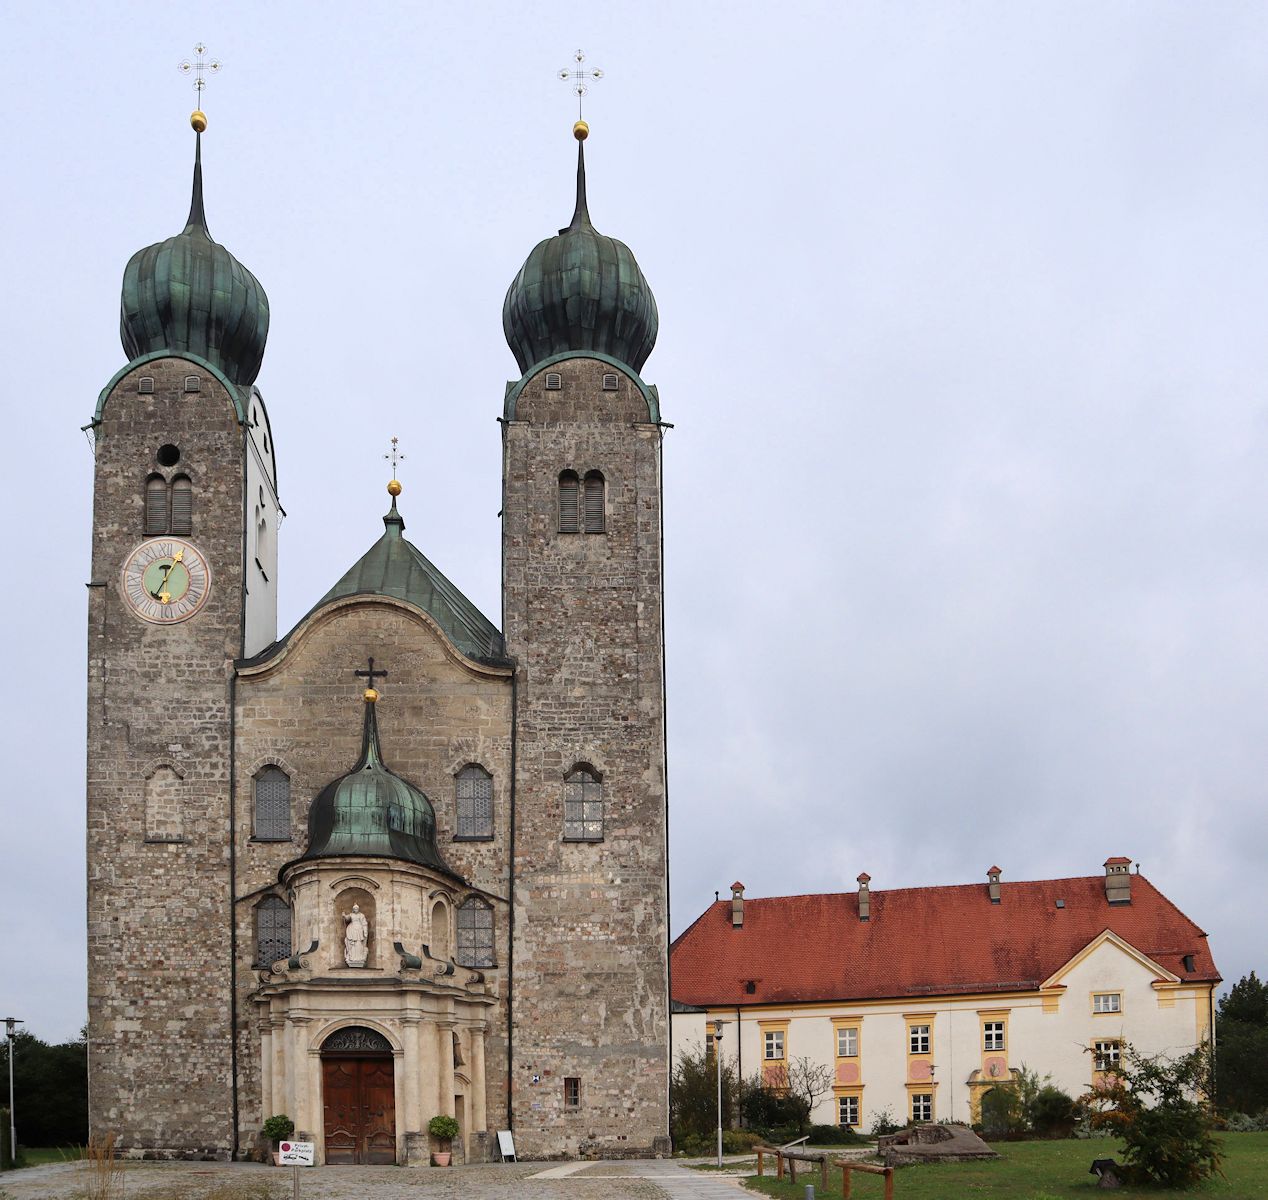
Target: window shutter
155 506
594 503
182 505
569 516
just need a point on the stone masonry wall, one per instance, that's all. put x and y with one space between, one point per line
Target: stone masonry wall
583 621
302 712
158 710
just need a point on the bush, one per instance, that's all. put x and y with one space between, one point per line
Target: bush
833 1135
1052 1113
6 1158
768 1110
1245 1123
734 1141
1154 1106
883 1122
693 1099
278 1127
443 1127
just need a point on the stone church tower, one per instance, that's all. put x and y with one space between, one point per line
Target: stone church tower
365 895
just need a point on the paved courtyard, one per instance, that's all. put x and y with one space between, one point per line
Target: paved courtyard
652 1180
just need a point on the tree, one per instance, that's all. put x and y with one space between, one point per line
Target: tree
800 1083
50 1086
1155 1106
693 1095
1241 1039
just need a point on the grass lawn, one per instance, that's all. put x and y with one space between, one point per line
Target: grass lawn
37 1156
1038 1171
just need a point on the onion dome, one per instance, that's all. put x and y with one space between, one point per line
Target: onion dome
189 295
580 291
370 811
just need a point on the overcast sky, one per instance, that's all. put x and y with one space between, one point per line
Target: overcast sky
962 335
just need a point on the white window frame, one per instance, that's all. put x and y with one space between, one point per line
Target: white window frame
919 1039
847 1041
922 1106
849 1112
1107 1052
1104 1003
993 1035
773 1046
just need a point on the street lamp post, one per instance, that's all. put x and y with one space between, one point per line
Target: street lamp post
717 1058
10 1025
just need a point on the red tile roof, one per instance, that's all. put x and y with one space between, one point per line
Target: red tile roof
921 942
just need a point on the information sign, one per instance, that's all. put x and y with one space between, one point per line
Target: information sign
296 1154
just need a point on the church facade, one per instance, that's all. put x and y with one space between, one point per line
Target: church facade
396 862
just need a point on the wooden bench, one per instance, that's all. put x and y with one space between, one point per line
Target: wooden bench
867 1169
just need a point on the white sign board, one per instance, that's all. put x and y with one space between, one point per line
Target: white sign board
295 1154
506 1145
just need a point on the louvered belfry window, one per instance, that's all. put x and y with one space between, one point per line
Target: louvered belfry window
273 805
155 505
475 803
569 502
475 934
272 930
594 503
583 806
182 505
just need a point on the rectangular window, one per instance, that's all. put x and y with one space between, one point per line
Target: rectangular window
773 1047
919 1038
992 1035
922 1106
847 1110
847 1042
583 807
1106 1054
1107 1002
572 1092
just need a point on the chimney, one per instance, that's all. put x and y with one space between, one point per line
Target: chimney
1118 880
865 897
992 883
737 905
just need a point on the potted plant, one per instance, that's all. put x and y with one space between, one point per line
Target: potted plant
444 1129
275 1129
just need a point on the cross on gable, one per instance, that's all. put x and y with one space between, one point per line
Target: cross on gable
371 674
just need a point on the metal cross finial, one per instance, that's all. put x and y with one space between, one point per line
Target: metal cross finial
370 675
394 457
198 67
578 78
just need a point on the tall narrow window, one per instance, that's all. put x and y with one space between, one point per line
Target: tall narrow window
475 933
182 505
583 806
273 805
594 507
272 931
155 505
572 1091
475 803
569 502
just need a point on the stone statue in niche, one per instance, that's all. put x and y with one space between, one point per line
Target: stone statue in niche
356 941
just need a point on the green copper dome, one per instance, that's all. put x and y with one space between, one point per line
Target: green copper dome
189 294
371 811
580 291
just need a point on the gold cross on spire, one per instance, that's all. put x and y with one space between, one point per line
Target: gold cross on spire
395 456
579 78
199 67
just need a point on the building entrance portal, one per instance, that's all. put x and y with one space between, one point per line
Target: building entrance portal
358 1097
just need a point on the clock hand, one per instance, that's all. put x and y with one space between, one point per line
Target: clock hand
164 596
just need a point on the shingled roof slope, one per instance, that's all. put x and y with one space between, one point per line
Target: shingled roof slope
921 942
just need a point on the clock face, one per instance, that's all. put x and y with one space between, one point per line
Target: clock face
166 580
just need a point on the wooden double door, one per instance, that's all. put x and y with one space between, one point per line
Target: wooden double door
359 1102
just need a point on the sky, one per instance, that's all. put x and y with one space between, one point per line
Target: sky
961 335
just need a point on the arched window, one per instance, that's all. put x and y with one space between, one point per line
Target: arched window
272 931
155 505
439 946
273 805
475 933
594 506
583 805
182 505
569 502
475 803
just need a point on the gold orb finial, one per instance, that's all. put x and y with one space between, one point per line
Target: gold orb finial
370 695
394 488
198 119
581 131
